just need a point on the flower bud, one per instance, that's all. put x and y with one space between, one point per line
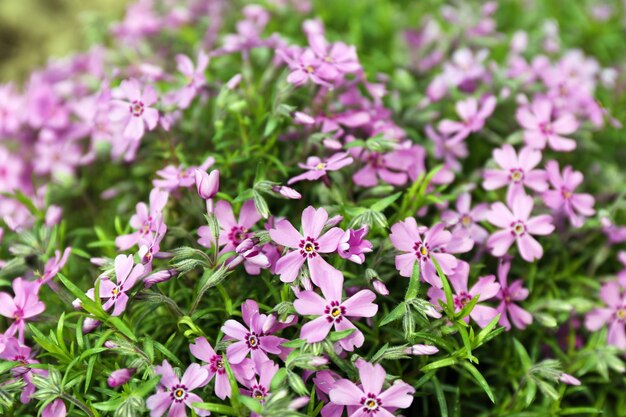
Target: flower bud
55 409
380 287
421 350
287 192
159 276
53 215
568 379
207 184
120 377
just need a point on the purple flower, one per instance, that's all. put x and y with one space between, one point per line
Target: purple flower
15 351
539 128
259 388
194 75
562 197
308 246
406 236
146 221
126 275
466 218
353 245
446 149
232 232
369 399
333 312
120 377
202 349
305 66
256 339
207 185
613 315
175 394
516 172
54 265
335 59
485 289
508 294
55 409
390 167
286 192
473 116
518 227
24 305
135 112
317 168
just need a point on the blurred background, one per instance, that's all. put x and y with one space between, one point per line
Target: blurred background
33 31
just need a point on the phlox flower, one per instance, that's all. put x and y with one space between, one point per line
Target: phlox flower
333 312
369 399
562 197
485 289
120 377
317 168
256 339
194 75
172 178
353 245
516 171
232 232
126 275
306 66
613 314
307 246
202 349
436 244
517 226
150 246
259 387
540 128
473 116
18 352
390 167
175 394
466 218
54 265
146 220
55 409
337 58
508 295
24 305
11 116
446 149
132 107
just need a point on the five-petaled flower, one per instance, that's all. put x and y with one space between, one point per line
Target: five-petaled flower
126 275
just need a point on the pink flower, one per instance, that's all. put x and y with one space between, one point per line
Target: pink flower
419 350
518 227
562 197
173 177
194 75
305 66
353 245
406 236
485 289
126 275
286 192
16 351
539 128
54 265
516 172
207 185
369 399
24 305
613 315
473 116
308 246
333 312
508 294
202 349
175 394
446 149
466 218
120 377
335 59
390 167
256 339
317 168
232 232
146 221
55 409
135 112
259 388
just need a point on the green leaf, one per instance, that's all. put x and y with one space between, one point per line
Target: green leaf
393 315
414 283
381 205
337 336
522 354
480 379
251 403
216 408
441 363
441 398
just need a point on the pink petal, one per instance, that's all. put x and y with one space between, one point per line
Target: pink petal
313 221
194 376
316 330
500 242
202 349
309 303
529 248
329 241
372 376
234 329
399 395
345 392
361 304
159 403
288 267
236 352
224 214
540 225
285 234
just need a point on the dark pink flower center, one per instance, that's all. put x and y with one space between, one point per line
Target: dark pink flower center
334 312
309 247
115 292
136 108
238 234
259 392
253 341
516 175
216 365
566 193
620 314
422 250
466 220
461 299
179 393
518 228
371 403
546 128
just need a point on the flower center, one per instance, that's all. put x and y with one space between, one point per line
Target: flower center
567 194
179 393
238 234
321 166
518 228
252 339
460 300
309 247
309 69
517 175
217 364
116 291
466 220
621 314
371 403
259 392
136 108
334 312
421 250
